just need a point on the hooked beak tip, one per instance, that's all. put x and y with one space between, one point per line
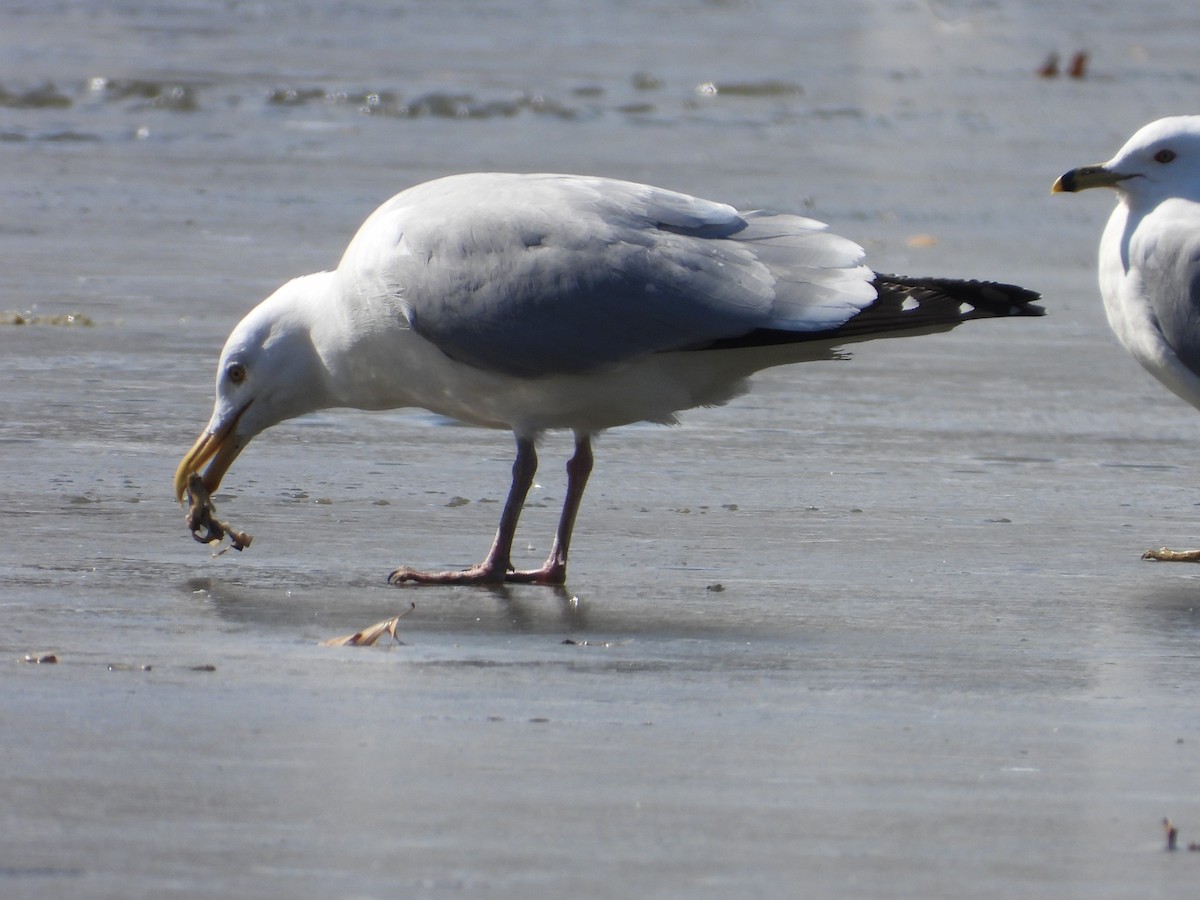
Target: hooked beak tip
221 446
192 461
1086 177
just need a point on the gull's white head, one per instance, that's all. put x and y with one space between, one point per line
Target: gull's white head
269 371
1161 160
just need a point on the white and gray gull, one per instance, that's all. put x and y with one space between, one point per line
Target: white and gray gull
1150 256
538 302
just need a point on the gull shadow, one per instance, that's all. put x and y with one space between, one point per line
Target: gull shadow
499 609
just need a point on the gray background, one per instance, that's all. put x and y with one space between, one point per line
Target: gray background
937 666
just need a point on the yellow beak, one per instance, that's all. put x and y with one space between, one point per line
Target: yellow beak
222 447
1086 177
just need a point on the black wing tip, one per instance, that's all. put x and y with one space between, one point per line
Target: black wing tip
999 292
940 304
998 297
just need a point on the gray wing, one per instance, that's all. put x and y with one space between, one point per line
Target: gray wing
538 275
1174 296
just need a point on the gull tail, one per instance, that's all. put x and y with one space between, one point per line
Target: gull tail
907 305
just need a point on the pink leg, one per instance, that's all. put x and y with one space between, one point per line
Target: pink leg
498 563
554 570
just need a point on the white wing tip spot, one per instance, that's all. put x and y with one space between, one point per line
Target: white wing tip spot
909 303
965 309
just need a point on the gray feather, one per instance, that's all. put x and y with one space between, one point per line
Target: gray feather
534 275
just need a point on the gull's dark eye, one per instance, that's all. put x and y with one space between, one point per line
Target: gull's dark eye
235 372
1164 156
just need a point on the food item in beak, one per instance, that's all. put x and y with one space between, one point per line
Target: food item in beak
202 521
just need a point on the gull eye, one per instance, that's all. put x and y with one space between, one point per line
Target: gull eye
235 372
1164 156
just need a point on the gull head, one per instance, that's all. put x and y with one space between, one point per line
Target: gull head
1161 160
270 370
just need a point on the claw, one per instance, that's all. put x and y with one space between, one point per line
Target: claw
202 522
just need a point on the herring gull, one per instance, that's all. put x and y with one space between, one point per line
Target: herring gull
538 302
1150 256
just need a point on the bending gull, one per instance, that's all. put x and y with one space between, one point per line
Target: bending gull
537 302
1150 256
